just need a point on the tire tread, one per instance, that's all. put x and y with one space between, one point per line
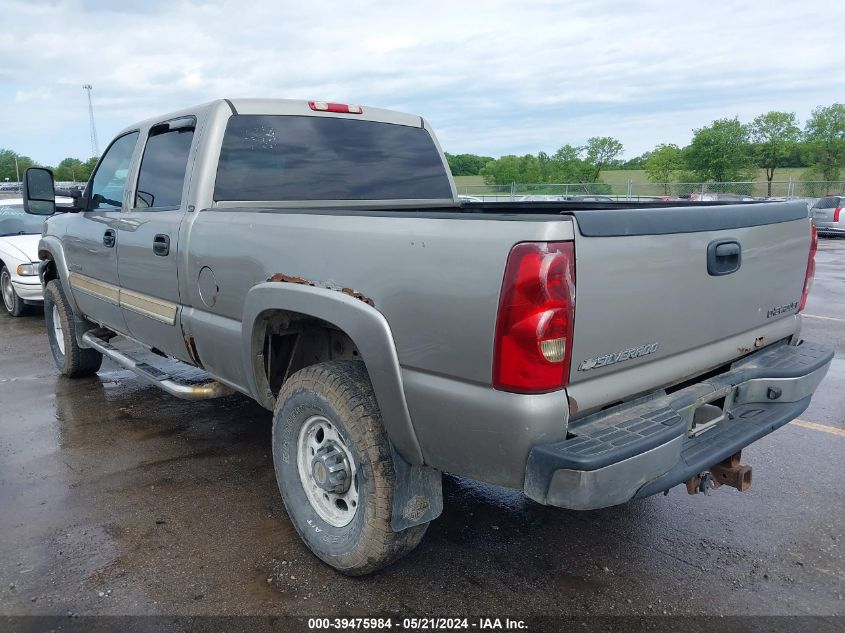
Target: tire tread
346 385
78 362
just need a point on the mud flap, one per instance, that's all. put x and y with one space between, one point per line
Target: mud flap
418 495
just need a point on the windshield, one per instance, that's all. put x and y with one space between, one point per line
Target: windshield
15 221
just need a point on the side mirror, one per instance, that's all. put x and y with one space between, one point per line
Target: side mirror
39 194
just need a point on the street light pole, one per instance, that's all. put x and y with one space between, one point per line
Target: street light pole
17 171
95 146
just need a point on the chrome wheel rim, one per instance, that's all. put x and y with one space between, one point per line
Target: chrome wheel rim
319 445
58 332
8 291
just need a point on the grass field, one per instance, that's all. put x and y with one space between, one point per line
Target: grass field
618 180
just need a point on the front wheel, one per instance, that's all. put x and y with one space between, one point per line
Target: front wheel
72 360
13 303
335 470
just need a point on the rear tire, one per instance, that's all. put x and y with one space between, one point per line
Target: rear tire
330 408
63 326
11 301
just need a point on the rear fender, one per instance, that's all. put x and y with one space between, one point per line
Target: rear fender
368 330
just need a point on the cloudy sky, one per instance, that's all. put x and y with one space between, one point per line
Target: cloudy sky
493 77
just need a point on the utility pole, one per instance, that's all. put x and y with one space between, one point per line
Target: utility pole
17 171
95 146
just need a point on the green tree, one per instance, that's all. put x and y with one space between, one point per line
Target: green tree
637 162
774 136
568 165
529 169
89 165
70 169
663 164
8 171
466 164
720 152
502 171
600 153
825 140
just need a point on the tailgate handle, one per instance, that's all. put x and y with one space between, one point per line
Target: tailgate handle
727 250
723 257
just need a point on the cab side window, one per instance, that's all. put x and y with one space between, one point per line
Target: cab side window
163 166
110 178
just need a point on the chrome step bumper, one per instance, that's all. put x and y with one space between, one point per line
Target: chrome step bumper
649 445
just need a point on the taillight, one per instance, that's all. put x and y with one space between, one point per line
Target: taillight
533 343
811 267
836 213
325 106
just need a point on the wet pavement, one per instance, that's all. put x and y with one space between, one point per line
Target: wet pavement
116 498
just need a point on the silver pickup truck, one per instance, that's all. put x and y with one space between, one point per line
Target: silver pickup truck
314 256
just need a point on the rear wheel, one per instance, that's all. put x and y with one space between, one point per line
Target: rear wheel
13 303
335 469
72 360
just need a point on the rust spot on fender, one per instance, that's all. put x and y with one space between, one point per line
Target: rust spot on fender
290 279
358 295
281 277
573 404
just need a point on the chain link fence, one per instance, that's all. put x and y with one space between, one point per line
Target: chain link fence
633 190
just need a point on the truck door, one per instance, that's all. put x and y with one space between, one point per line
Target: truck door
90 242
148 241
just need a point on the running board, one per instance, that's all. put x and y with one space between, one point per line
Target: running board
161 379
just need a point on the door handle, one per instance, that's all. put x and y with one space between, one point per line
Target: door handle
161 245
109 238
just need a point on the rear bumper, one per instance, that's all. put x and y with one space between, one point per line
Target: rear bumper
829 227
644 447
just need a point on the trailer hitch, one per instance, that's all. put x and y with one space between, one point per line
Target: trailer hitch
728 472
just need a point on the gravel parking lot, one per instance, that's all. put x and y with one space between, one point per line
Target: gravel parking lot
118 499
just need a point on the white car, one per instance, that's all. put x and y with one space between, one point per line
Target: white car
19 236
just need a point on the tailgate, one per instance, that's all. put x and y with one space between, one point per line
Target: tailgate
827 209
655 283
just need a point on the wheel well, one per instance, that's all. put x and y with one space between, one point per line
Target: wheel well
284 342
50 271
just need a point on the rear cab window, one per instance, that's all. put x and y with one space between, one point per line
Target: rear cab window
309 158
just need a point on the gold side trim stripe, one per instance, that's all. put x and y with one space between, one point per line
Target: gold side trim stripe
151 307
99 289
158 309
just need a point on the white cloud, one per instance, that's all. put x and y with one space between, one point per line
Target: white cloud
493 77
38 94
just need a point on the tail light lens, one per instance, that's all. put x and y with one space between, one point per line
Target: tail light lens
811 267
836 213
533 345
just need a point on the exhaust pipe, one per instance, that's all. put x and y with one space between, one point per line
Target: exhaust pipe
726 473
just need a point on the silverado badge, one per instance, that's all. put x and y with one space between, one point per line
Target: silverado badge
778 310
618 357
